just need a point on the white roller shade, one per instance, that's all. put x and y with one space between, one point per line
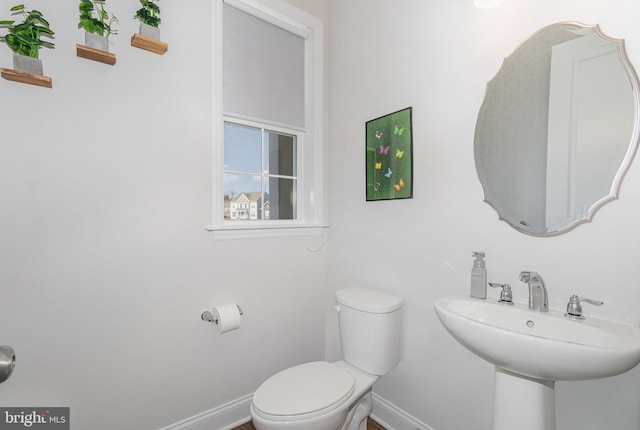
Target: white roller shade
263 70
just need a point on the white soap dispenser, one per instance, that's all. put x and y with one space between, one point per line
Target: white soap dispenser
479 277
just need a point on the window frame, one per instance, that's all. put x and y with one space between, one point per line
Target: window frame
310 216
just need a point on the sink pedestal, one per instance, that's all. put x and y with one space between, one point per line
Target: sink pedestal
523 403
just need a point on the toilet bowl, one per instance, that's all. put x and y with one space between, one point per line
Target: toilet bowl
314 396
336 396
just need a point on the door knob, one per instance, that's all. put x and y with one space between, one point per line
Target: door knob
7 362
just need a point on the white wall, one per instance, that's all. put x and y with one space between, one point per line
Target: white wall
105 266
437 57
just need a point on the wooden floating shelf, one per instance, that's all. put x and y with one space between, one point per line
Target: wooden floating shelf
27 78
96 55
149 44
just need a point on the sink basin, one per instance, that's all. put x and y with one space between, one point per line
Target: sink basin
546 346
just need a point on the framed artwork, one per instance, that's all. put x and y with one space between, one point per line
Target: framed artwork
389 156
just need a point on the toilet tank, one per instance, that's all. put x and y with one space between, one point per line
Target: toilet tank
369 329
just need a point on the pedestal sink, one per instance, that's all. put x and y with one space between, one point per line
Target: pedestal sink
531 350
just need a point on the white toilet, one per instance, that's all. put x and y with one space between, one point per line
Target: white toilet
336 396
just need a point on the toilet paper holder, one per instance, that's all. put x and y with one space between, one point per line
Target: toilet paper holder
208 316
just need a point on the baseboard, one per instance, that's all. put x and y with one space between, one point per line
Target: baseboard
393 418
236 412
225 417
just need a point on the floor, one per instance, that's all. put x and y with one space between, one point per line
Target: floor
371 425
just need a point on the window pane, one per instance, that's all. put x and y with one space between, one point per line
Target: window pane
260 174
279 153
242 197
242 148
280 199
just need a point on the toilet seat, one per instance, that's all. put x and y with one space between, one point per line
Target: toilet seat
303 391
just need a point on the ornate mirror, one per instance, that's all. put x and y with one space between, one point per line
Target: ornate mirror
557 129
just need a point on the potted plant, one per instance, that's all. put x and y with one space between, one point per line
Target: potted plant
25 41
149 37
97 24
149 17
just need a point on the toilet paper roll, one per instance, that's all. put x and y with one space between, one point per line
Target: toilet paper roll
227 316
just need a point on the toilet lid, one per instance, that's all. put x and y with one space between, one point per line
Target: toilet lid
304 389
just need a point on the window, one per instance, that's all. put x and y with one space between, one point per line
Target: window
260 172
267 118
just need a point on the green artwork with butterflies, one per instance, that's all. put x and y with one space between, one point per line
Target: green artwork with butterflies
389 156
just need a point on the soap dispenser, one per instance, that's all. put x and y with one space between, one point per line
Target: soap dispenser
479 277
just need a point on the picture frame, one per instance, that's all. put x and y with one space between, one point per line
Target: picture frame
389 156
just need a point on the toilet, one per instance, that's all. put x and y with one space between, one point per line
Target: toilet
336 396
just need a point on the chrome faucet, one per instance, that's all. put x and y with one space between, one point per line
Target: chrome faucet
538 299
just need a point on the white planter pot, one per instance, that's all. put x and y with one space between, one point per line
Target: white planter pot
149 31
95 41
23 63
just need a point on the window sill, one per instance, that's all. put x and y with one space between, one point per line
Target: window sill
261 231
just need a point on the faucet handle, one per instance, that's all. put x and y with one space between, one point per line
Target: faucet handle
506 296
574 310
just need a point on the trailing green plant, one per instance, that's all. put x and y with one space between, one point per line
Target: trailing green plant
95 19
149 13
24 38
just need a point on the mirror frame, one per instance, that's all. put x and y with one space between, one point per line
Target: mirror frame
632 145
